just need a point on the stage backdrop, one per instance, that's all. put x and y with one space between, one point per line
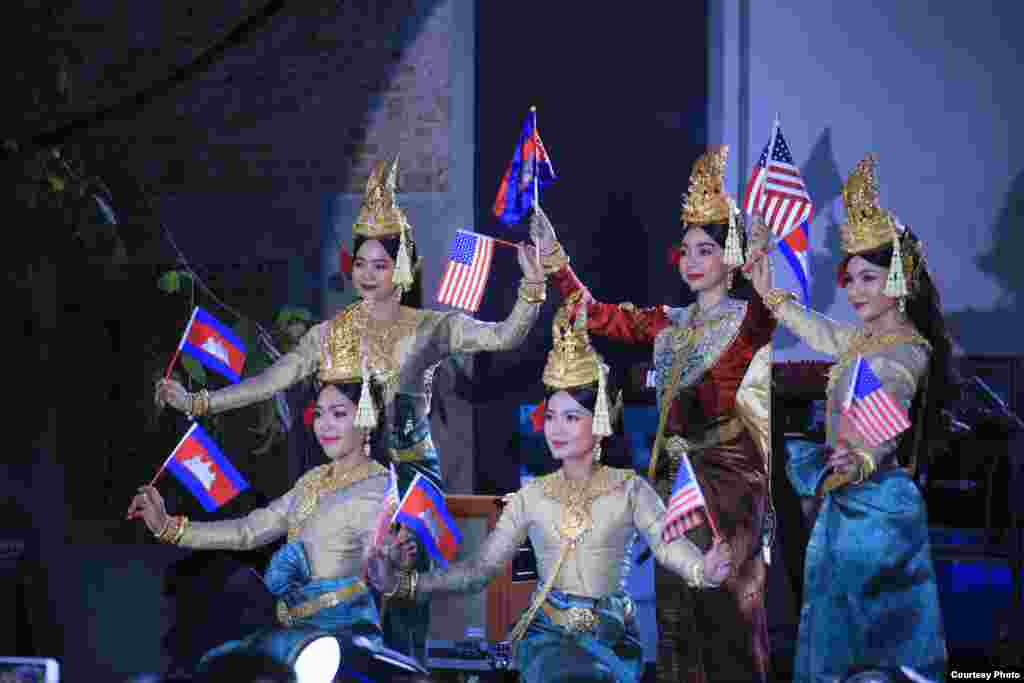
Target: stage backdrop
621 106
929 86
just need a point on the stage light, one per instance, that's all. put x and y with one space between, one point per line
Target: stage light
318 661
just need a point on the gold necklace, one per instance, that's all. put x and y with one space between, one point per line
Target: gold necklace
323 480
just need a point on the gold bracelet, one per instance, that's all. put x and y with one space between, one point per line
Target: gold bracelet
554 260
775 298
698 574
200 403
532 292
159 534
182 527
414 579
397 589
167 530
866 468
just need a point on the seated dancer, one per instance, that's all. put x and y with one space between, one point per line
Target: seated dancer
712 363
582 521
404 343
329 517
870 596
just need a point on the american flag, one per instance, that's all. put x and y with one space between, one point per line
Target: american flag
777 190
870 410
687 507
468 266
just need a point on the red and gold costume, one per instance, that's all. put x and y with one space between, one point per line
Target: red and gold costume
716 366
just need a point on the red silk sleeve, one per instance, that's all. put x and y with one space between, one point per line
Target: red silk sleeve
622 322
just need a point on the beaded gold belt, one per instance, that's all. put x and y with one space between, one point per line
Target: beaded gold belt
289 615
572 619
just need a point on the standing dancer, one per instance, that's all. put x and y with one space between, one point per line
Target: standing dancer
582 521
404 344
870 596
712 362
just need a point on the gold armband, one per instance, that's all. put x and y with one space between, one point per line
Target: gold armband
532 292
554 260
775 298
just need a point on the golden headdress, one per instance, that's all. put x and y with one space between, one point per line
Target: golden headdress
706 201
343 360
868 226
380 216
573 363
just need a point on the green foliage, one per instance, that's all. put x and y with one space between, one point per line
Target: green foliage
173 280
194 369
288 314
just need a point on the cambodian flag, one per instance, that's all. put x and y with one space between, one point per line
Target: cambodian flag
424 512
796 248
214 345
202 467
528 172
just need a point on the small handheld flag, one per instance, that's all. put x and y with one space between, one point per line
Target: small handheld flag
388 508
202 467
214 345
469 264
687 508
529 171
870 410
423 510
777 190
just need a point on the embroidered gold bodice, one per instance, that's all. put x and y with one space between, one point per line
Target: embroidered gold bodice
899 359
600 517
332 511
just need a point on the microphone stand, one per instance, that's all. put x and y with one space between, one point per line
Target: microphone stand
1009 421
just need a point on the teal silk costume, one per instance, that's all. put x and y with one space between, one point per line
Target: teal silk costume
870 594
586 621
329 518
713 368
402 357
580 622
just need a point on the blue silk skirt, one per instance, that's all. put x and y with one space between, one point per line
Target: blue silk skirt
870 594
550 653
288 578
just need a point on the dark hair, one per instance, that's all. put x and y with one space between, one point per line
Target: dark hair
615 450
924 310
412 298
352 391
741 287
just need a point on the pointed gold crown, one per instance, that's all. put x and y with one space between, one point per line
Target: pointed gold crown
706 201
380 216
341 358
868 226
572 361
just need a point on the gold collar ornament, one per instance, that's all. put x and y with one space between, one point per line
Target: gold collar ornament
380 216
707 203
574 363
869 226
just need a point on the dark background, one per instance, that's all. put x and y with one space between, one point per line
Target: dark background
620 102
